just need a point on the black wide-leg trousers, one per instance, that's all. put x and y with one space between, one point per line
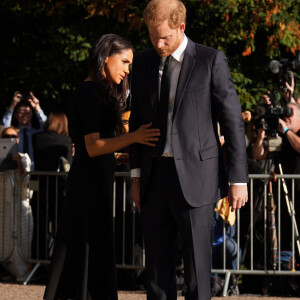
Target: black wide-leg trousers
166 215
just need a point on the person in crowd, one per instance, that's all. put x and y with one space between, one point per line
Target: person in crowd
231 261
231 245
184 89
53 143
288 94
83 261
290 89
289 126
52 151
288 157
28 117
17 97
16 264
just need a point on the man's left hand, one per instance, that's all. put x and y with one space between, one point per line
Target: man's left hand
35 102
237 196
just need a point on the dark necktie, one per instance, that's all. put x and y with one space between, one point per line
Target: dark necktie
25 141
163 107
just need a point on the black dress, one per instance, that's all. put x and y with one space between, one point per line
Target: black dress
83 262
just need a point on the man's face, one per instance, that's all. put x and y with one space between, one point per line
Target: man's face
164 39
293 122
24 116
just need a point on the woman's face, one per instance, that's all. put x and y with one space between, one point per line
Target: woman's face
11 133
117 66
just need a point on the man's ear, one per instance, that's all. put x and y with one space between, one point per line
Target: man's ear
182 27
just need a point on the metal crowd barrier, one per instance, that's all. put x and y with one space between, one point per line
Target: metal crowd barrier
48 192
267 268
127 226
129 244
7 234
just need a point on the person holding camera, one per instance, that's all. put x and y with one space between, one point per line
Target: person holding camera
26 115
288 157
289 127
17 98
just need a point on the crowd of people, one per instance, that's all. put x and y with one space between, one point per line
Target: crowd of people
48 142
273 137
178 170
42 143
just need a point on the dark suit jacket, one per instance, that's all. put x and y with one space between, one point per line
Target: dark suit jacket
205 95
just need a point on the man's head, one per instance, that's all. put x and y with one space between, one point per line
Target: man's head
166 24
23 113
293 121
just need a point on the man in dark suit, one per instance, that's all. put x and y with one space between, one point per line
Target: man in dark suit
184 89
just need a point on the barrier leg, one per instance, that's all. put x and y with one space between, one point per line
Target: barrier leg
31 273
226 284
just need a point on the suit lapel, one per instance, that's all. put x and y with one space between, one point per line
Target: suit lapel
153 78
153 86
186 70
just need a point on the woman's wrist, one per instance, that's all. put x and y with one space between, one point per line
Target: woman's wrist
132 137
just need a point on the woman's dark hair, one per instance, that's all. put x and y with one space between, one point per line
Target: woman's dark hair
34 120
109 45
57 122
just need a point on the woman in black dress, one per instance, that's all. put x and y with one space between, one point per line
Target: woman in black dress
83 262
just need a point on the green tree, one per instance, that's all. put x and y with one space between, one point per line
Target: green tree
45 43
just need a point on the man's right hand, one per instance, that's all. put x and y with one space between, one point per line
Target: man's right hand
15 100
135 194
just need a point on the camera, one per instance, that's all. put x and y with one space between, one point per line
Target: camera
267 116
26 96
283 71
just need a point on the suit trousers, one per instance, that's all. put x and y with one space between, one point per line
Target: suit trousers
168 220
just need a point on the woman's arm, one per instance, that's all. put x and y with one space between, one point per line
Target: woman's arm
95 145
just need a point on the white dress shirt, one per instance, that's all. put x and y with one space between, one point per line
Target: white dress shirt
175 68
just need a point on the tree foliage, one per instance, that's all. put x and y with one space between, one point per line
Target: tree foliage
46 42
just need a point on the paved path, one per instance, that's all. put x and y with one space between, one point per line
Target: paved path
9 291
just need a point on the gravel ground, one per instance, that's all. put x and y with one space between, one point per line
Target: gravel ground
9 291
